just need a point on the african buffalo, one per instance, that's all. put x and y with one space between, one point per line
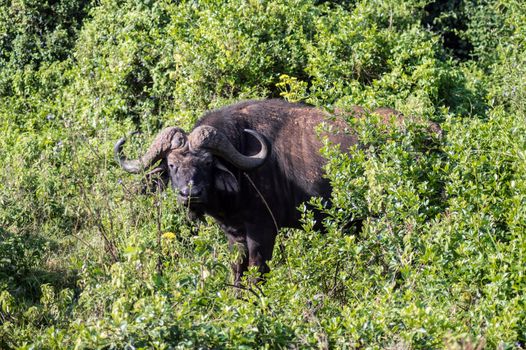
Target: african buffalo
249 166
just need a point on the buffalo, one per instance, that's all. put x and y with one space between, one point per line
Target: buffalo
249 166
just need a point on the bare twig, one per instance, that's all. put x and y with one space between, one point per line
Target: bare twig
159 232
95 213
243 288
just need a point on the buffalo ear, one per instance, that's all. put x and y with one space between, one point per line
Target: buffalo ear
224 180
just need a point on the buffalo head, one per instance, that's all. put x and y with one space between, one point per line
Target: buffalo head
193 163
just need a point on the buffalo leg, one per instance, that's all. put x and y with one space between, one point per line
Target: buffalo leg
237 240
260 247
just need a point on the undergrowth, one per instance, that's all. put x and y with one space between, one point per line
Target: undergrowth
86 261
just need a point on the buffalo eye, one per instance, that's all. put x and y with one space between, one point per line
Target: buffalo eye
172 167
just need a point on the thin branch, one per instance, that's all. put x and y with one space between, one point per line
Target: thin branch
243 288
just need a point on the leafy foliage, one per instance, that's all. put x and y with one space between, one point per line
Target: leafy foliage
87 262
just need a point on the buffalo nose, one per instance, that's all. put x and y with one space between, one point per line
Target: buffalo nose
190 192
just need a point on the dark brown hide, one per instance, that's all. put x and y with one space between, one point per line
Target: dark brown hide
251 205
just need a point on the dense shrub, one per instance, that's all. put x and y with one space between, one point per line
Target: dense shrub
35 34
87 262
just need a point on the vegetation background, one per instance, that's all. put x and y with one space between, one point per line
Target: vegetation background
86 262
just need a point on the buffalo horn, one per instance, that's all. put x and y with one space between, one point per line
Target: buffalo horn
167 139
215 141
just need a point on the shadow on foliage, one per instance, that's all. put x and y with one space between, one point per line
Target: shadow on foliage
462 99
446 18
23 269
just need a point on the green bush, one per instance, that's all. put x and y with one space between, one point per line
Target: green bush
34 35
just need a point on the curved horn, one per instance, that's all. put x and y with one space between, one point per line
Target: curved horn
167 139
208 137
